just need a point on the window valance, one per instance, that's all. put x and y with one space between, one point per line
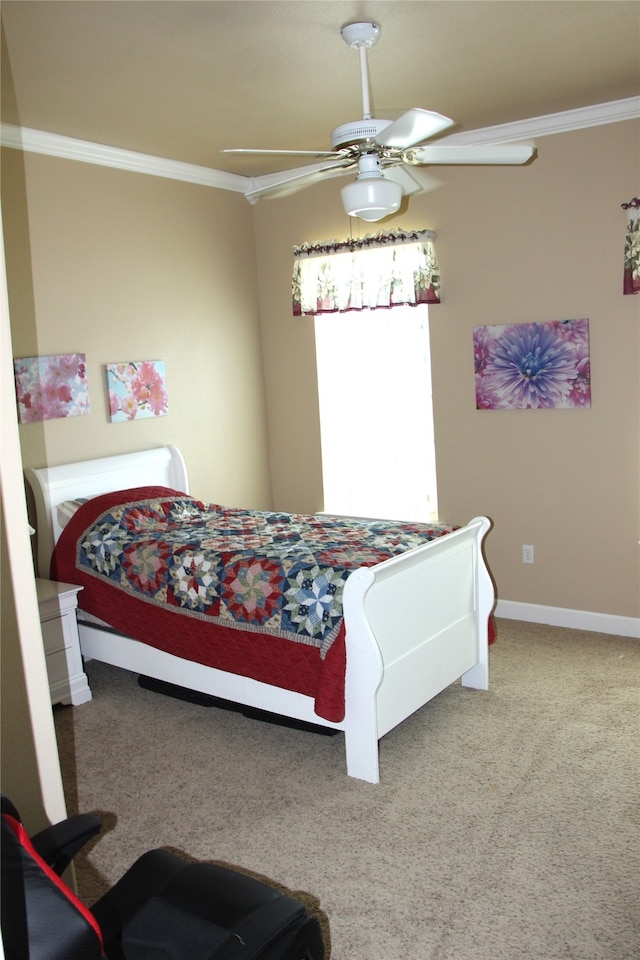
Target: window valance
384 270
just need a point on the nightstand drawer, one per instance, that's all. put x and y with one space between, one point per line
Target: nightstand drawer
54 635
57 668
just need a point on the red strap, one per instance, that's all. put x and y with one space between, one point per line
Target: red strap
25 842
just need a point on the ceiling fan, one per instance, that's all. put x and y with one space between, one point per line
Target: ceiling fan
379 150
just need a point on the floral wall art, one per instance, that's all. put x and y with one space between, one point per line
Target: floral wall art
531 366
137 389
48 388
631 281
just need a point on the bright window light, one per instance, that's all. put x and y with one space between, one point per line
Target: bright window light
376 419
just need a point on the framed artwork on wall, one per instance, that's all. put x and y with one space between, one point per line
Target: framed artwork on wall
48 388
137 389
532 366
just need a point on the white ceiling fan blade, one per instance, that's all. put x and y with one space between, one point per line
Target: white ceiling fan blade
287 153
288 181
426 179
401 175
498 153
412 127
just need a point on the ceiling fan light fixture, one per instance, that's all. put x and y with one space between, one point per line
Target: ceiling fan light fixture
371 197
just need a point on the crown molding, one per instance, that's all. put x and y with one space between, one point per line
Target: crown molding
597 115
69 148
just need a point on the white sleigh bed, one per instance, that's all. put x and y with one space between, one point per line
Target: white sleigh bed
395 663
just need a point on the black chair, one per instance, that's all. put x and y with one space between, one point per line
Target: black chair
163 908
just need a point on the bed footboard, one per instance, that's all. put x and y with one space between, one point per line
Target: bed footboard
415 624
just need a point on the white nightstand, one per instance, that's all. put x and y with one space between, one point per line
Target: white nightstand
57 603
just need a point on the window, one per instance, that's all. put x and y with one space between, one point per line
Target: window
376 421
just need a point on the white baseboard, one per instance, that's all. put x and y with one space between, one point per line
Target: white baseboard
576 619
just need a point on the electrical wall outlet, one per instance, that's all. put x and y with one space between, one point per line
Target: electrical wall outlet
527 553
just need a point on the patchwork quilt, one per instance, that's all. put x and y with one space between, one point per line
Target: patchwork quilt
262 587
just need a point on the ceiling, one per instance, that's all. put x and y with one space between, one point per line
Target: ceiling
182 80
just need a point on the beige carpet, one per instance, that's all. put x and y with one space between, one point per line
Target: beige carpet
505 826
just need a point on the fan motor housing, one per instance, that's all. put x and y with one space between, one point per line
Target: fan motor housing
357 131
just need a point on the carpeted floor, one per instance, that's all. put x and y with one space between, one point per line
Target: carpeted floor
505 827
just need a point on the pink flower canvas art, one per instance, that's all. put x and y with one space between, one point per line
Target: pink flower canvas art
48 388
137 389
532 366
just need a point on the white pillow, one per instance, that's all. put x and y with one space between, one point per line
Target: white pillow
66 510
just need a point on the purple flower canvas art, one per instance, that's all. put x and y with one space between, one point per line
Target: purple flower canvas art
48 388
137 389
532 366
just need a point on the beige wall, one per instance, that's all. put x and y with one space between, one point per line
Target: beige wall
538 243
124 266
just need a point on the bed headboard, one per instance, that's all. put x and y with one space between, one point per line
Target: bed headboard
162 466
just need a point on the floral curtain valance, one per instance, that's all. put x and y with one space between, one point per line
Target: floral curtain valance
384 270
631 283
